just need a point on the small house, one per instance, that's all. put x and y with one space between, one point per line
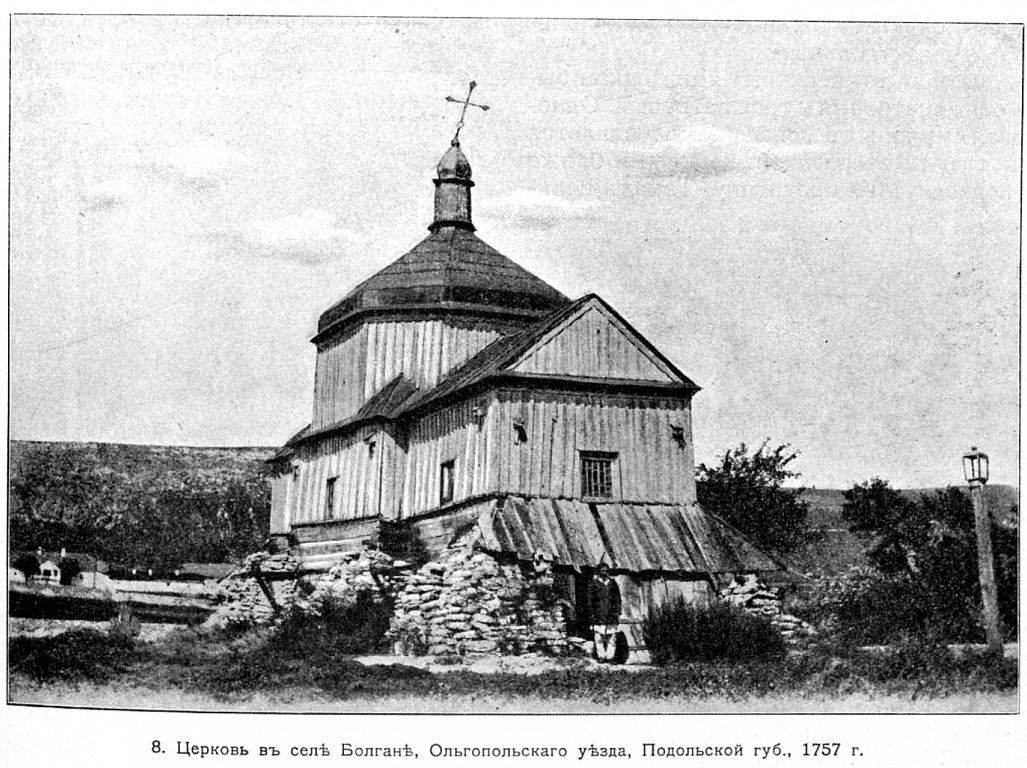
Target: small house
49 573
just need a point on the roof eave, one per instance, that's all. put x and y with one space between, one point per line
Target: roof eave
457 308
556 383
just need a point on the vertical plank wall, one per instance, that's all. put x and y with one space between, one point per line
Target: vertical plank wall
339 377
279 522
423 351
594 345
347 458
355 366
652 466
453 434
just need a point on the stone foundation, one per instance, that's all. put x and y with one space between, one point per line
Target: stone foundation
245 603
467 602
464 602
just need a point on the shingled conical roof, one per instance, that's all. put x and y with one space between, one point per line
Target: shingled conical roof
451 269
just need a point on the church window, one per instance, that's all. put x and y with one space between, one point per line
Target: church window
330 497
447 481
520 432
597 475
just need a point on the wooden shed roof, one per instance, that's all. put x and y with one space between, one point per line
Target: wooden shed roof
632 537
451 269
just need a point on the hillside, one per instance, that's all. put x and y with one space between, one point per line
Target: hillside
164 463
153 506
832 547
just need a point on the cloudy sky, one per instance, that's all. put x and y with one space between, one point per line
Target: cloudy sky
818 223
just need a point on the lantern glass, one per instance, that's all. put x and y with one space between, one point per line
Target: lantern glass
975 466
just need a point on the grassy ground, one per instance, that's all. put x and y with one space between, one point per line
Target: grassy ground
120 696
261 670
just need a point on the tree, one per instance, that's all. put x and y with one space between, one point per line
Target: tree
930 544
27 564
748 491
70 568
876 509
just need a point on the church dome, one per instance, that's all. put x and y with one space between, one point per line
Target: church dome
450 271
453 164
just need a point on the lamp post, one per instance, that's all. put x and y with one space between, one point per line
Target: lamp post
975 468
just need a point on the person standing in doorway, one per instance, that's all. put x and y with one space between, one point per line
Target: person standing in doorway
604 602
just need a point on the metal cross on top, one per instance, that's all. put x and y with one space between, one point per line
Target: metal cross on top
467 103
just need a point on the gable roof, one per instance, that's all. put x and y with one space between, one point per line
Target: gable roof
506 351
594 342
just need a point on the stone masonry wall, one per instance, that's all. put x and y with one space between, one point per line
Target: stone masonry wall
466 602
463 602
245 602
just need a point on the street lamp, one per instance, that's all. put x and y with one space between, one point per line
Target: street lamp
975 468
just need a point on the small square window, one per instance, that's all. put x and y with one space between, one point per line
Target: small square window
330 497
447 481
597 475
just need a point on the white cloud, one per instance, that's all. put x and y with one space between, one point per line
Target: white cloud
700 151
202 162
539 209
107 194
309 236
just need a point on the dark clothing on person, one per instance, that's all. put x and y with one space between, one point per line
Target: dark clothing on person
604 601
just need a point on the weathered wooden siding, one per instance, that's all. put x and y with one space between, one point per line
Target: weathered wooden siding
393 443
641 595
454 433
593 345
348 458
351 369
279 503
339 378
423 351
651 467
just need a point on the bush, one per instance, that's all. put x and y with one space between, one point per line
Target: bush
338 628
864 606
677 632
80 655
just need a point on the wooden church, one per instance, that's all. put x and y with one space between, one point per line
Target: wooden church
456 392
